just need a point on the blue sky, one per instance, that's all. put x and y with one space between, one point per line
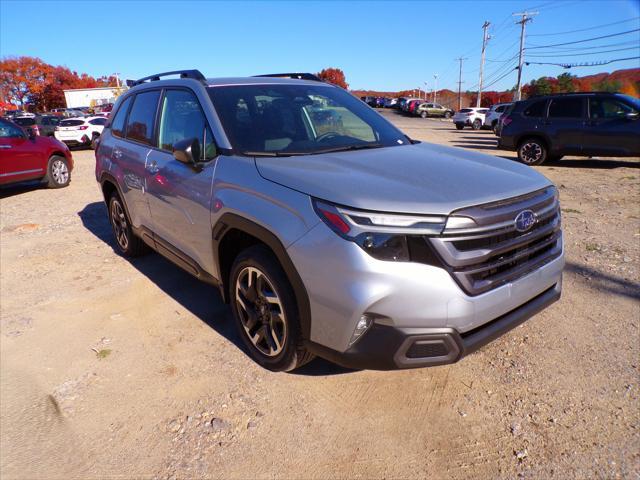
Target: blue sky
379 45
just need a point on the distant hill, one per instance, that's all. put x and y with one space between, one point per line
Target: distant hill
625 81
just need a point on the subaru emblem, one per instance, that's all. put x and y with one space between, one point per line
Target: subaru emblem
525 220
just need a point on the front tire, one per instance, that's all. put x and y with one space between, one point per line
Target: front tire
128 244
58 174
532 151
265 311
423 114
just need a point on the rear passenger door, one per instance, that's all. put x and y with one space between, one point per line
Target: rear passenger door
565 124
179 194
133 129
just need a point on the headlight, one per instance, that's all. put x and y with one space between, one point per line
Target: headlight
385 236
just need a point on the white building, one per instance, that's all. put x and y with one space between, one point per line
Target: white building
90 97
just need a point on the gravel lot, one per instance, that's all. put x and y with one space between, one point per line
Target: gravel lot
111 368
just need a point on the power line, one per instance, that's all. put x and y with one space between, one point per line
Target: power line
503 76
584 64
590 47
582 29
586 40
588 53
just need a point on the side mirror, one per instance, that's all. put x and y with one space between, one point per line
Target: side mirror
187 151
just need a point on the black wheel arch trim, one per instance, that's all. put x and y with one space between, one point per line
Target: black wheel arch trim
107 177
232 221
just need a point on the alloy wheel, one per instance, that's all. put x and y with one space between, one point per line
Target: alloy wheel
531 152
119 224
261 312
60 172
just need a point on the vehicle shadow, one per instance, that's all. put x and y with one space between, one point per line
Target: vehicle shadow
596 163
603 281
199 298
11 190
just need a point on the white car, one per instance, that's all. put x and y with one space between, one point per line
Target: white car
472 117
494 114
80 131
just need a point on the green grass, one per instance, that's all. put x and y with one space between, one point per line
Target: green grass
592 247
104 353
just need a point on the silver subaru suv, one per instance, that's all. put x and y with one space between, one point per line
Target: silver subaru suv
327 230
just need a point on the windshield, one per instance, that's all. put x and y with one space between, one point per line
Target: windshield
299 119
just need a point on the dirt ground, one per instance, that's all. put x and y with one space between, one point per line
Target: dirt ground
118 369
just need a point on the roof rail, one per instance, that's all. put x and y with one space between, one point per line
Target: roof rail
299 76
194 74
573 93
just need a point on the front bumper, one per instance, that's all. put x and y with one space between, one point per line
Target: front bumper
389 348
406 299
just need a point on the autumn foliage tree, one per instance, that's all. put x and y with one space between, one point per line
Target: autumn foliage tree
30 82
334 76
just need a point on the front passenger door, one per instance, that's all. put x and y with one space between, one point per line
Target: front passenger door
610 129
180 195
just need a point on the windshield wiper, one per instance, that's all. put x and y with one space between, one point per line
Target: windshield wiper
342 148
270 154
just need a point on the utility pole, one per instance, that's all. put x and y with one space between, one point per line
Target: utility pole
460 83
485 38
425 91
117 79
435 88
526 18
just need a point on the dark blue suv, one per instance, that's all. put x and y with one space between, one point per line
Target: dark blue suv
583 124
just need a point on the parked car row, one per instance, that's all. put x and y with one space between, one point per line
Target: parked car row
26 156
379 102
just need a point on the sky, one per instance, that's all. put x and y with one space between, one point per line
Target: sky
386 46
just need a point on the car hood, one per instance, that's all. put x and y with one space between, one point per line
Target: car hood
420 178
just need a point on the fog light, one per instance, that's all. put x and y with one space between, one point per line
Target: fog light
362 326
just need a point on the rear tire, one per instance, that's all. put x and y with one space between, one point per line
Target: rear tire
477 124
58 174
265 311
423 114
459 126
532 151
127 243
447 115
94 141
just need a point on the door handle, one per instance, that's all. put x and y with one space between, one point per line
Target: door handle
6 147
152 167
117 153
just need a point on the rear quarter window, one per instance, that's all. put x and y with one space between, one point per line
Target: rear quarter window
117 125
25 122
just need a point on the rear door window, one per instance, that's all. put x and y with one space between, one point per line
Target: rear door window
117 126
536 109
569 107
142 117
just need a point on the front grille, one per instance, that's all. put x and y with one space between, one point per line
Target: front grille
493 252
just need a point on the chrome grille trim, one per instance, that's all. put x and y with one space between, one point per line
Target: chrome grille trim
495 253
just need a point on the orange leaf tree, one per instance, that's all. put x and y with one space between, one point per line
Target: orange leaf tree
334 76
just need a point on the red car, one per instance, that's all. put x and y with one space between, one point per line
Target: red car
29 157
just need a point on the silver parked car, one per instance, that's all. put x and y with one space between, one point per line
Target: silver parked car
328 230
